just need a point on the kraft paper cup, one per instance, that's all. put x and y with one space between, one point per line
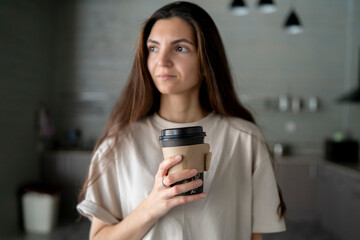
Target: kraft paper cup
188 142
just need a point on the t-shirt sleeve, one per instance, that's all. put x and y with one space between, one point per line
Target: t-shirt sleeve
102 198
265 196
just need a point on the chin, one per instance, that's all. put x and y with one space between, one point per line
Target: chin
175 90
168 90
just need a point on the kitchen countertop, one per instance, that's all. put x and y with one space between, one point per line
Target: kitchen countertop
352 169
69 152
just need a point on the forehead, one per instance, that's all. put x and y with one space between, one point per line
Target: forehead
174 27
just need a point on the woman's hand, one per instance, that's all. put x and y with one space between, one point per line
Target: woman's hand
157 204
163 198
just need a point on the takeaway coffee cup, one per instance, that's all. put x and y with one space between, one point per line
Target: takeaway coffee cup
188 142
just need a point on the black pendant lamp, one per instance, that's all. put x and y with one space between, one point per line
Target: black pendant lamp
239 8
293 24
267 6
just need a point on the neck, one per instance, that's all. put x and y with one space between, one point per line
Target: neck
181 109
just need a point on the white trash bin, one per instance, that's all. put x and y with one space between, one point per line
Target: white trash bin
40 210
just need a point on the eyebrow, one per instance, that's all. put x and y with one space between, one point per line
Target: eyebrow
173 42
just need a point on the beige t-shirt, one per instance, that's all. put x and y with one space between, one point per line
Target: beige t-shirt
242 196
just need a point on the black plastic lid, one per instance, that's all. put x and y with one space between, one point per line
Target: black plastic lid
186 132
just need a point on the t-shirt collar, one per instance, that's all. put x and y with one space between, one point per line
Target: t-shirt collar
163 123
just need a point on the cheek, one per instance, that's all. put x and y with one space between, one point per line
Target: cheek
151 69
149 65
194 70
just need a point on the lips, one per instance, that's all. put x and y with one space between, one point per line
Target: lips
165 76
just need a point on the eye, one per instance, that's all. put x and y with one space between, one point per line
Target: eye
181 49
153 49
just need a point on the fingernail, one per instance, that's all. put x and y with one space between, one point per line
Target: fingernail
177 157
198 182
193 172
202 195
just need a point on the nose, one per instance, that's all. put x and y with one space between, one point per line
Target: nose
164 58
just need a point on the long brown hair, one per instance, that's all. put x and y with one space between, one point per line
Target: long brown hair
140 98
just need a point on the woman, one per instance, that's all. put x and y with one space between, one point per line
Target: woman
180 77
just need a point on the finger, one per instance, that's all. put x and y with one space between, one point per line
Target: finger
168 163
179 176
182 188
185 199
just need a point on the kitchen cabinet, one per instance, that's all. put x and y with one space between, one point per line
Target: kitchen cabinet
323 192
339 202
354 211
67 170
299 188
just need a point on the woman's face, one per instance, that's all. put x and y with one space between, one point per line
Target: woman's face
173 61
